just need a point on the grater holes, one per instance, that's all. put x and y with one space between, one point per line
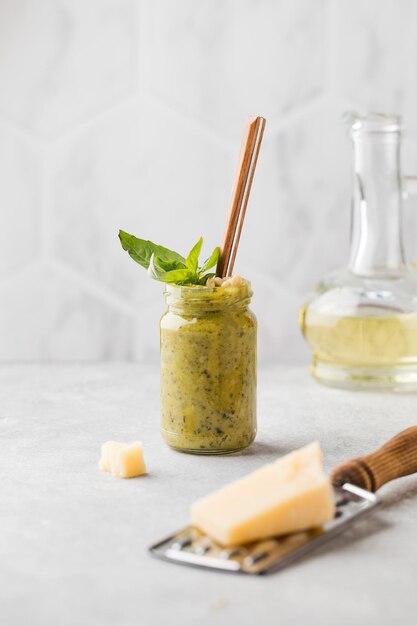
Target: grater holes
232 553
201 549
255 558
181 542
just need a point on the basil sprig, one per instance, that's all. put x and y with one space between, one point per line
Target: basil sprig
168 266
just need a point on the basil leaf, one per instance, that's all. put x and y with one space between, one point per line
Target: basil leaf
180 276
211 261
167 266
192 259
141 251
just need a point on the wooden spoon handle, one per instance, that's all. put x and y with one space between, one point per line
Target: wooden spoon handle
398 457
248 157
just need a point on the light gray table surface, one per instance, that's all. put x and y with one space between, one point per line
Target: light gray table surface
73 540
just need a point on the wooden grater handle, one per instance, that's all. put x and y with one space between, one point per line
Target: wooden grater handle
396 458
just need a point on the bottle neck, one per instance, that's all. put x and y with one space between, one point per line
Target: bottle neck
376 229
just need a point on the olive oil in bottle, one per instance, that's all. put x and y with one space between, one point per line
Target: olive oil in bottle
361 322
364 346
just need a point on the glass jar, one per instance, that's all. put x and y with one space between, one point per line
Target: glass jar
208 369
361 321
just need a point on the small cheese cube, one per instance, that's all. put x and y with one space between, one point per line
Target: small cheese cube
124 460
289 495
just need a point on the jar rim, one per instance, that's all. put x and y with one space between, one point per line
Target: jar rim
205 288
204 298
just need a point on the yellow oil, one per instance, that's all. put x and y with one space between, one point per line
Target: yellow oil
366 341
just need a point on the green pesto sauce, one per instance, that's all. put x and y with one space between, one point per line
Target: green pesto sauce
208 371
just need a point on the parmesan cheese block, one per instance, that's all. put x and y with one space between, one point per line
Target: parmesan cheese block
124 460
289 495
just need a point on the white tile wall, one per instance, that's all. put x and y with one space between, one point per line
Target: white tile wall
128 113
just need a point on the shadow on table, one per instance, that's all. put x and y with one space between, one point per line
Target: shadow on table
264 450
398 494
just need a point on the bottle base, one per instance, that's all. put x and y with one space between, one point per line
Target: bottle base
399 379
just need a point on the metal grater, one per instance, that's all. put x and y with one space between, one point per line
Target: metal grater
192 547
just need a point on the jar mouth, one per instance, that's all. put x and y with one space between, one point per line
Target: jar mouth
203 299
372 122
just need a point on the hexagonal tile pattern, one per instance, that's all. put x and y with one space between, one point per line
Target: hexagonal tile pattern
20 201
228 60
53 319
277 306
297 224
376 48
145 340
160 163
62 60
143 171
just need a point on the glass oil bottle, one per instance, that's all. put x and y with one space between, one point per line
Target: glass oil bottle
361 322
